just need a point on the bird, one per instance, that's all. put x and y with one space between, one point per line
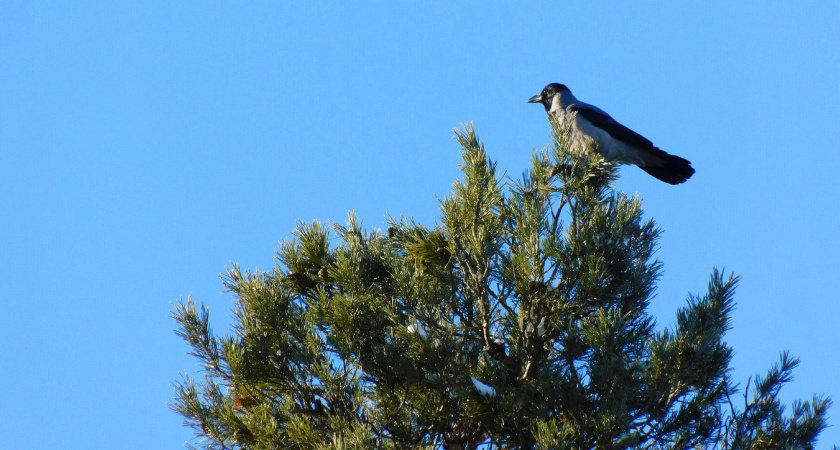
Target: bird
614 141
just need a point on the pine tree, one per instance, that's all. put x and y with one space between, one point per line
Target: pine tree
519 321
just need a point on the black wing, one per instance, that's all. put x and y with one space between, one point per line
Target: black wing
615 129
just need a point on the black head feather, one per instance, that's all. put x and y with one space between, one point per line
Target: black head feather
545 97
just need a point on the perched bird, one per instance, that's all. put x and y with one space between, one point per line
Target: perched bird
615 141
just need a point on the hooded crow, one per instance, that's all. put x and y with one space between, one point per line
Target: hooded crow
615 141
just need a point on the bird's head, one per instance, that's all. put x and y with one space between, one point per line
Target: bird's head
546 97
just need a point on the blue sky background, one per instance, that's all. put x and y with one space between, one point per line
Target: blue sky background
144 146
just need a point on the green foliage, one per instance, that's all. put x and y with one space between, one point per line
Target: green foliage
519 320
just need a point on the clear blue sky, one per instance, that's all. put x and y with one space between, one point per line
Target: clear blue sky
144 146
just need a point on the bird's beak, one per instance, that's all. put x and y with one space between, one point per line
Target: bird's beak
535 99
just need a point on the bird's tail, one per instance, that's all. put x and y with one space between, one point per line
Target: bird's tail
666 167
